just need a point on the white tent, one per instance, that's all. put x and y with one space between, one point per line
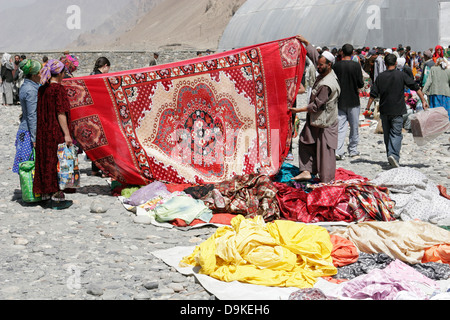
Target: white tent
421 24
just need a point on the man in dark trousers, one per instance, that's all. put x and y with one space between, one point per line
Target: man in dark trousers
351 80
390 87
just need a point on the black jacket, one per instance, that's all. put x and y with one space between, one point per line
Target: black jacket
390 88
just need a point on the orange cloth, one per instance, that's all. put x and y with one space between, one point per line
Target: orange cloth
173 187
439 253
344 251
219 218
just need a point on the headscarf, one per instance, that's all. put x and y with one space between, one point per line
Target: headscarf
52 67
70 62
5 59
401 63
438 55
29 66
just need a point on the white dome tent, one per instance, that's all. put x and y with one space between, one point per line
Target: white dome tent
383 23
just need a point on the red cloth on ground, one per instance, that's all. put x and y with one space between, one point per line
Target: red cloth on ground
443 192
218 218
292 202
199 121
345 175
346 200
172 187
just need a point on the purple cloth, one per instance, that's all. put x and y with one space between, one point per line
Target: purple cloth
147 193
52 67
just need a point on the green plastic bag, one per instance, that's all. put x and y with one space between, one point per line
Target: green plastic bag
26 174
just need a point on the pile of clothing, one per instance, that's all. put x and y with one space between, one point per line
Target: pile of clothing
351 198
371 260
395 243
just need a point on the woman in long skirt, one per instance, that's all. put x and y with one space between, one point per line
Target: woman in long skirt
53 129
26 135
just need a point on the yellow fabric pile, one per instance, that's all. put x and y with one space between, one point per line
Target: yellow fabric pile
278 254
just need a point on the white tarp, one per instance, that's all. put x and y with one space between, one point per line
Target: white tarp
332 23
444 24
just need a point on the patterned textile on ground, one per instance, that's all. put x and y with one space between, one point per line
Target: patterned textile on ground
397 281
309 295
371 261
416 196
249 195
348 201
198 121
276 254
403 240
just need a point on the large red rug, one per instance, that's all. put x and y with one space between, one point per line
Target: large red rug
198 121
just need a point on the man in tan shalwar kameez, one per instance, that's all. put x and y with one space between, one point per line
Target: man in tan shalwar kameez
318 145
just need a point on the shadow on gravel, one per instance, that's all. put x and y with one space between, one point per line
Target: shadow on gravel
95 189
386 166
382 164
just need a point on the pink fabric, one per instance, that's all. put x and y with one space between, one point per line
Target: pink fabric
388 283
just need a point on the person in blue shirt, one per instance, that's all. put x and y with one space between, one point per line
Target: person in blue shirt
26 135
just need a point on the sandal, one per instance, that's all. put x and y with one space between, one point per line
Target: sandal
98 174
59 202
61 205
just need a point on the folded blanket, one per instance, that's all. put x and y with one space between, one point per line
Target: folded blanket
403 240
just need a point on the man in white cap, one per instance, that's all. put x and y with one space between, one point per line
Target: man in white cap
319 141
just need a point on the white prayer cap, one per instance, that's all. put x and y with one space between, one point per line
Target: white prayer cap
329 56
388 51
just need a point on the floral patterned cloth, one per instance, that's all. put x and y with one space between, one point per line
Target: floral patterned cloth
248 195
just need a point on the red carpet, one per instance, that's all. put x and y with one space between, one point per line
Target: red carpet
198 121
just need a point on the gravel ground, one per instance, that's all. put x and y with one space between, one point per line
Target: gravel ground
96 250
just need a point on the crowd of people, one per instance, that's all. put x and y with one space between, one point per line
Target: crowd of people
388 76
45 118
334 82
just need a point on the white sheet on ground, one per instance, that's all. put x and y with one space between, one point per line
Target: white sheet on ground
416 196
222 290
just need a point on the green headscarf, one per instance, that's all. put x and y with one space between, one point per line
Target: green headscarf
30 67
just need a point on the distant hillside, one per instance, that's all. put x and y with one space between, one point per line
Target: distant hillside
172 24
119 23
116 25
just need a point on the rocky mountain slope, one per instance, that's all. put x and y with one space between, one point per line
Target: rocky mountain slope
171 24
44 25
